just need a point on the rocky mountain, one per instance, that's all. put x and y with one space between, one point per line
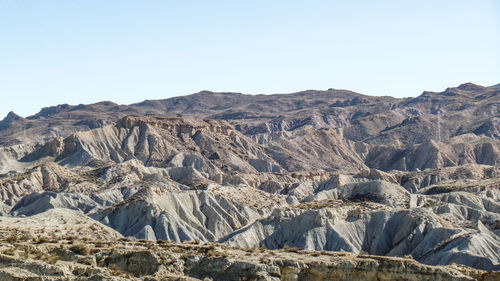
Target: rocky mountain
370 181
467 108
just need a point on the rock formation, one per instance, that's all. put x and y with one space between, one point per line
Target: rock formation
307 186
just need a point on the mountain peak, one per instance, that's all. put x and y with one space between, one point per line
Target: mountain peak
11 117
470 87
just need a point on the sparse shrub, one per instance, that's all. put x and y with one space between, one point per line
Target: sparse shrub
41 240
151 246
115 270
215 253
362 253
128 254
262 249
38 254
212 253
9 251
184 256
489 173
71 238
26 253
293 250
100 244
51 259
177 250
202 185
125 239
80 249
11 239
24 237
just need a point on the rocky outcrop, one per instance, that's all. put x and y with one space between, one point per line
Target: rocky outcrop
46 177
58 224
432 154
10 156
416 180
329 149
179 216
216 148
126 260
164 142
418 233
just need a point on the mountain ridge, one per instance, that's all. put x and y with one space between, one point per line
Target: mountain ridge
321 171
362 117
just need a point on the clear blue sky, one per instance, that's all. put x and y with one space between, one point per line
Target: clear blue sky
54 52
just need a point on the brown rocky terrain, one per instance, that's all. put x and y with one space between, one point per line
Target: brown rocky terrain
27 257
334 183
467 108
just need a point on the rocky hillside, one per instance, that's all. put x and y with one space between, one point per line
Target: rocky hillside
324 182
139 260
27 253
467 108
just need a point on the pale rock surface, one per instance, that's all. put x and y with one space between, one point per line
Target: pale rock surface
177 215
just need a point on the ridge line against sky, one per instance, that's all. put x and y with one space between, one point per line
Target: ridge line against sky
56 52
235 92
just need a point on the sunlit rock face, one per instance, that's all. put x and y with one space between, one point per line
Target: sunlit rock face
373 181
